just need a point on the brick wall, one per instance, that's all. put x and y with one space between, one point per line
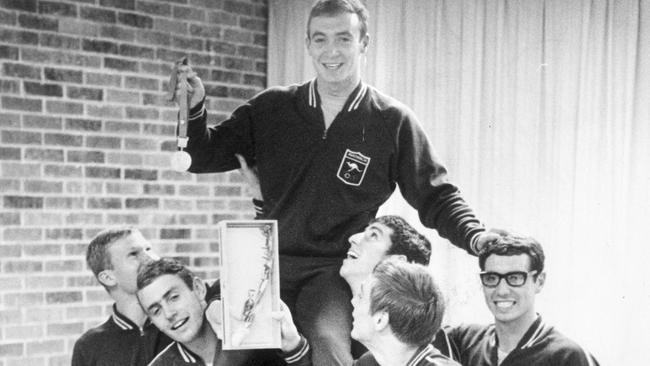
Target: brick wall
85 142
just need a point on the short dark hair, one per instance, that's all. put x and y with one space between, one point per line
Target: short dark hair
405 240
412 299
97 256
509 244
336 7
150 271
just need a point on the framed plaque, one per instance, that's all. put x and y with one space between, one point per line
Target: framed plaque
250 284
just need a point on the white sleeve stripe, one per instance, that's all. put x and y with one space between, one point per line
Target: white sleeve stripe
473 243
295 358
197 114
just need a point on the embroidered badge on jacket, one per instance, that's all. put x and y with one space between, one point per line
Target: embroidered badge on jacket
353 167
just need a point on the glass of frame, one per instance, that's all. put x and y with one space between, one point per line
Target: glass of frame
250 284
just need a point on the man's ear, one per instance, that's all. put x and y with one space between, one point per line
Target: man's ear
399 257
199 288
107 278
364 43
541 280
381 320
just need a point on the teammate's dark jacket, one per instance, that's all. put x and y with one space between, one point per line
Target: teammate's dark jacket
541 345
425 356
118 341
178 355
325 185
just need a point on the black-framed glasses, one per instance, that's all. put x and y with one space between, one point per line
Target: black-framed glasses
514 279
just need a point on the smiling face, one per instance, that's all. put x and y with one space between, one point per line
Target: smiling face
336 47
174 308
512 304
126 255
367 248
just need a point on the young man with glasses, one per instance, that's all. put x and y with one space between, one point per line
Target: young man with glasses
512 274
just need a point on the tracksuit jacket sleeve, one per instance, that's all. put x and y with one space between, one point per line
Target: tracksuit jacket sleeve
422 179
78 357
301 356
213 149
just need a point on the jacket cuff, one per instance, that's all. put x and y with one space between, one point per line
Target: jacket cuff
259 207
298 353
197 110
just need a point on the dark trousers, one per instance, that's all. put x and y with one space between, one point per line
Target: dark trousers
319 300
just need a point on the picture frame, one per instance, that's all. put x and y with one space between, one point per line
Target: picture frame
249 283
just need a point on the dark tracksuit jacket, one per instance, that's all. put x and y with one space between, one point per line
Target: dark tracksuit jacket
178 355
325 185
118 341
541 345
425 356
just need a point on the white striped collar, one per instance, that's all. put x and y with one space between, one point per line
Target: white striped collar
187 355
450 352
120 320
160 354
535 335
357 98
421 355
312 94
532 335
354 104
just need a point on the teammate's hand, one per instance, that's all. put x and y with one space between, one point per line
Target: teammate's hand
487 236
213 314
250 177
289 332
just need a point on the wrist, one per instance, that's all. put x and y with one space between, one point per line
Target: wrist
197 109
298 352
291 344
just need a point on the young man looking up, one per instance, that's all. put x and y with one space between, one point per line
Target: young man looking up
397 310
126 338
384 237
512 274
176 300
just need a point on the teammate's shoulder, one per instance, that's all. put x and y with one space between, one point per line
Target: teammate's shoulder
385 102
561 343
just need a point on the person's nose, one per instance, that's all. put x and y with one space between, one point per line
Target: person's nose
150 255
169 312
355 238
331 49
503 288
147 256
